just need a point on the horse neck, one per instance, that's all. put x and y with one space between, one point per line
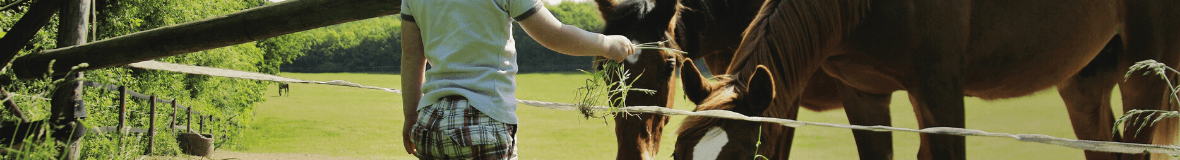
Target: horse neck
789 37
712 20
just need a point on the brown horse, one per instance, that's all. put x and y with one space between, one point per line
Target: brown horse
284 87
707 28
940 51
710 30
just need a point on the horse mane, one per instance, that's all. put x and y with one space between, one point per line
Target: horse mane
789 36
695 125
785 33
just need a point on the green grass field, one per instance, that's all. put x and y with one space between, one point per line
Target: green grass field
344 121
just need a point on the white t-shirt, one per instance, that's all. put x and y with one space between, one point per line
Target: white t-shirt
469 46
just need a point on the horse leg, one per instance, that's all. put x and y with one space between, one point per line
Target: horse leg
940 110
1150 34
870 110
935 79
1087 97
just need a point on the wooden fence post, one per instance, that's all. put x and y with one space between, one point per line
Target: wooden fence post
122 108
173 125
74 19
201 123
188 122
151 125
122 115
174 108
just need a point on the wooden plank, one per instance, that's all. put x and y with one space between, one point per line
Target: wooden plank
13 5
185 129
23 31
134 94
116 129
111 87
241 27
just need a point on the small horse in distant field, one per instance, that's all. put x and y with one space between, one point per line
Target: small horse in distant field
284 87
939 52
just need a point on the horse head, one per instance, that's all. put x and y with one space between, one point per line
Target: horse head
643 21
715 138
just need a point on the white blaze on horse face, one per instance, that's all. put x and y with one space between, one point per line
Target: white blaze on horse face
710 145
634 57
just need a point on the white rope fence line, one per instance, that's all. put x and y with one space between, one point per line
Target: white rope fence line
1104 146
228 73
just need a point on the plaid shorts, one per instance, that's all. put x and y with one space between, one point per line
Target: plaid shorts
452 129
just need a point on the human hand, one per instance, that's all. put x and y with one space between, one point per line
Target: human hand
407 129
620 48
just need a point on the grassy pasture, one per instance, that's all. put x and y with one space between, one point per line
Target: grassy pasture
343 121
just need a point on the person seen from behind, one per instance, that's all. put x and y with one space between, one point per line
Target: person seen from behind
464 106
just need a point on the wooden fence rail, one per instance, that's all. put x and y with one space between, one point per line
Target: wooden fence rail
152 101
236 28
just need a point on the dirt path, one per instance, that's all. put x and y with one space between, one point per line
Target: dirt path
231 155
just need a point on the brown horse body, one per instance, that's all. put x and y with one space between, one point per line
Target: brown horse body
705 29
939 51
284 87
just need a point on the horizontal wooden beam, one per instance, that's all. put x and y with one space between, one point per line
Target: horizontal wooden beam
241 27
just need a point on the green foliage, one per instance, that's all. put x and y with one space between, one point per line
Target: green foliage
582 15
361 44
598 90
231 100
533 57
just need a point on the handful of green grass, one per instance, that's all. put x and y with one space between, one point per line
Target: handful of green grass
599 89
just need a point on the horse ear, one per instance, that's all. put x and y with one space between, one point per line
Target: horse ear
696 87
605 7
759 92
